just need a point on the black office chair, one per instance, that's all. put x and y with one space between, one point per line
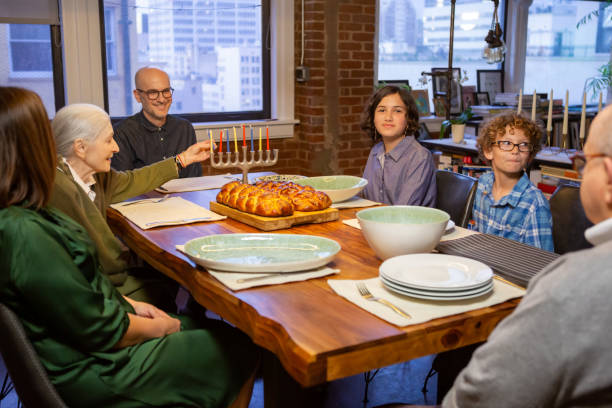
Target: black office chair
569 220
24 367
455 195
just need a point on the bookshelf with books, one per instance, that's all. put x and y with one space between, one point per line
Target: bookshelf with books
550 168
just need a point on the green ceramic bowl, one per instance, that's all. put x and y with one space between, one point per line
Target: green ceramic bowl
402 229
338 188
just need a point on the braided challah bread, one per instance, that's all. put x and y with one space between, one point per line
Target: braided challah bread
303 198
272 199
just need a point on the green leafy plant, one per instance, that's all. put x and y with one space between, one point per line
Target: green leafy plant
600 83
596 85
457 120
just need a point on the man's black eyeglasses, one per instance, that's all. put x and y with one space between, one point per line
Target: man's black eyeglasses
579 160
153 94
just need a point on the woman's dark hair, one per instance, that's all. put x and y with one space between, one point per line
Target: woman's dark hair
27 151
412 114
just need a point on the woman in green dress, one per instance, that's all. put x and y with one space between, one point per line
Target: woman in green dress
98 348
85 185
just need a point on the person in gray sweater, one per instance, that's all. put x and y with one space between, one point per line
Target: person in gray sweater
554 349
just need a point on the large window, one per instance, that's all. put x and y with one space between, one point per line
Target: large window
214 51
561 55
27 61
413 36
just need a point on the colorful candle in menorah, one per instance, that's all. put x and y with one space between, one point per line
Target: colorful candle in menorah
245 159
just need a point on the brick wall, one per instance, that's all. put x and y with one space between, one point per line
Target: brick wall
339 50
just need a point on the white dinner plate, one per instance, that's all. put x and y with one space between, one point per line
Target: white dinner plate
440 293
482 292
436 271
261 252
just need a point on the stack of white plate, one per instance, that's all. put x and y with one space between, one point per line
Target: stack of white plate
436 276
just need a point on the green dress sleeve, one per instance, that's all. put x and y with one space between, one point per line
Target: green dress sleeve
55 273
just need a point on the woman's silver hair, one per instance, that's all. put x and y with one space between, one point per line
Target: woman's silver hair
79 120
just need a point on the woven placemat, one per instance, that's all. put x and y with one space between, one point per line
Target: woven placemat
513 261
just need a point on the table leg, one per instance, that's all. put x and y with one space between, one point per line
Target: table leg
449 364
281 390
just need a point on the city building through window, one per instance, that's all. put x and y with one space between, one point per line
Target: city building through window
214 51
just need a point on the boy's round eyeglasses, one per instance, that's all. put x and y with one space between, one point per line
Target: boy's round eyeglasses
579 160
153 94
507 146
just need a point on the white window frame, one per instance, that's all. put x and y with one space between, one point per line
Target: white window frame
83 63
13 74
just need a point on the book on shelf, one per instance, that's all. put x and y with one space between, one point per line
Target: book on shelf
511 99
560 173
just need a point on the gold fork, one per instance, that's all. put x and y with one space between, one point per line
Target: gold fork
365 293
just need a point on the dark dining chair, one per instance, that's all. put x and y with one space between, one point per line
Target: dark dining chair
455 195
569 220
23 365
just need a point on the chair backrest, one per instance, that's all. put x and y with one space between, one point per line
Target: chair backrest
24 367
455 195
569 220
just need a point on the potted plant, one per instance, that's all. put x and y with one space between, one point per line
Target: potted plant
457 125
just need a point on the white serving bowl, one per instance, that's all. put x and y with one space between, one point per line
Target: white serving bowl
338 188
402 229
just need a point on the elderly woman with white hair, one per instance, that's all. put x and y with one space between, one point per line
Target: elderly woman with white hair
85 185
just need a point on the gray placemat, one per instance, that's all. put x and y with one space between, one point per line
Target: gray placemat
513 261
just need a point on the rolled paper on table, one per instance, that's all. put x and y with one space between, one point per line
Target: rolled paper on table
520 102
533 106
550 109
565 113
599 106
583 117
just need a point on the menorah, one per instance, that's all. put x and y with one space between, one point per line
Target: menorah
244 164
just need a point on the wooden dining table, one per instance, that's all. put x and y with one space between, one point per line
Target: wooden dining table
313 334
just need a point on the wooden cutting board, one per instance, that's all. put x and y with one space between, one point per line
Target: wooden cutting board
275 223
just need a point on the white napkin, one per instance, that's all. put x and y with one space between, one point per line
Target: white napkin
453 233
355 202
238 281
196 183
151 213
421 310
353 222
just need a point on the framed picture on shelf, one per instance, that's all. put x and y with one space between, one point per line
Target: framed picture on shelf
423 132
440 106
421 98
490 81
467 96
482 98
440 87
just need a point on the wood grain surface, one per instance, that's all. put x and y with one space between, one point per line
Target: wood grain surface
275 223
317 335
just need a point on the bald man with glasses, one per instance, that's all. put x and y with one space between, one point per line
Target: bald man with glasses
152 134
